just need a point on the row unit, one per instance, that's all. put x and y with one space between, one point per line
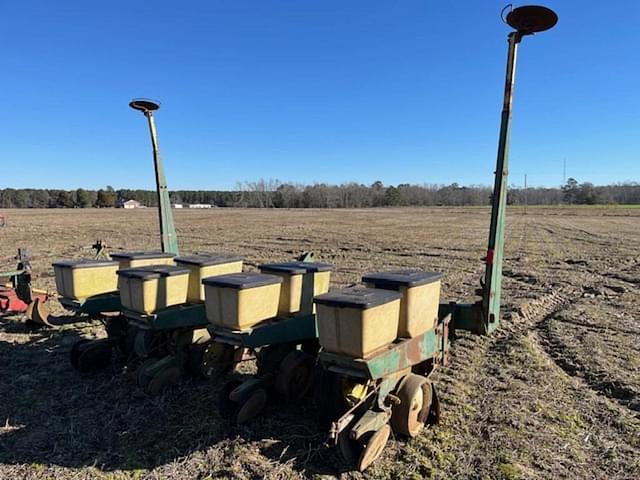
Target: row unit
353 321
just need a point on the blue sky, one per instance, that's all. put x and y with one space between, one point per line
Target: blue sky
316 90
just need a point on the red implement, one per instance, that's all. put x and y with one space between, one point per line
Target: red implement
11 304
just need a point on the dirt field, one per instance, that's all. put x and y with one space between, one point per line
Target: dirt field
554 394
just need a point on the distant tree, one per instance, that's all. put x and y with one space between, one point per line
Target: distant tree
40 199
588 194
21 199
63 200
392 196
83 198
106 199
570 191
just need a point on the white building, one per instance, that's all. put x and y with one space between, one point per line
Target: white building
200 205
176 205
129 204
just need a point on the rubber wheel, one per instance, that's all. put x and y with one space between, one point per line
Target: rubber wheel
251 407
144 373
227 407
415 393
374 447
163 379
269 358
76 350
295 375
94 355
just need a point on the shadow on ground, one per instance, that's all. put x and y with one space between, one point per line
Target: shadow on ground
52 416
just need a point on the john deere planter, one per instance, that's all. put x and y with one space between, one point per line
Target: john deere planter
381 344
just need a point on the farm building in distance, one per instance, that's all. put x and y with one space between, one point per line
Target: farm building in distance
128 204
177 205
200 205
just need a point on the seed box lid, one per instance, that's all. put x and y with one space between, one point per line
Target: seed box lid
153 272
402 278
84 263
241 281
296 268
208 259
140 255
357 297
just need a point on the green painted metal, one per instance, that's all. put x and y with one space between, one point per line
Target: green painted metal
179 316
109 302
370 421
398 356
464 316
286 330
492 289
168 238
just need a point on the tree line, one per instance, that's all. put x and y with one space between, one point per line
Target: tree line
276 194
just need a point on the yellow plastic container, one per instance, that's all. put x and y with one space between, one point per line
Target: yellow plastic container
205 265
80 279
149 289
420 297
241 300
301 281
357 321
142 259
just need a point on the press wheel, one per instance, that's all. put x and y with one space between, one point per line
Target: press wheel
295 375
374 447
76 350
250 407
144 373
93 355
227 407
349 448
163 378
415 394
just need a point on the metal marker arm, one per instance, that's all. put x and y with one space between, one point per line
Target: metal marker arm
492 288
168 238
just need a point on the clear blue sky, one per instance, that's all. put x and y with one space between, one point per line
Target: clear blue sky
314 90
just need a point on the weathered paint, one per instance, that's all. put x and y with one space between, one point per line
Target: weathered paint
398 356
288 330
492 290
168 238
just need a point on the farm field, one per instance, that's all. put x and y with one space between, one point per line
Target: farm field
555 393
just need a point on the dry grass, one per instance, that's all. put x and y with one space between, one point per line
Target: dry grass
554 394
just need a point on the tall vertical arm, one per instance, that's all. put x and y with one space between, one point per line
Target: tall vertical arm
168 238
492 287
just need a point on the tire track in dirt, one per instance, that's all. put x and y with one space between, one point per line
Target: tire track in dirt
517 363
599 380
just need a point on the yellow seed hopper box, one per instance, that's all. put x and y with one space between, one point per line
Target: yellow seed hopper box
142 259
357 321
420 297
80 279
151 288
301 281
205 265
241 300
